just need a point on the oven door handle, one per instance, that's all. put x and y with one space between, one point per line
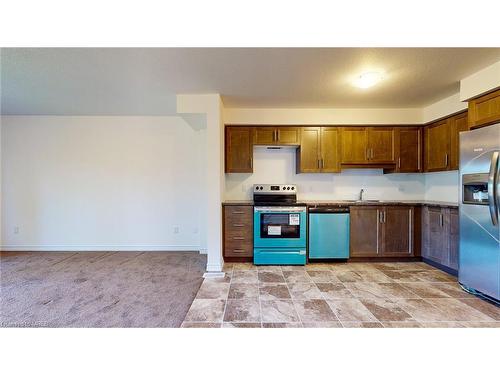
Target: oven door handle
284 210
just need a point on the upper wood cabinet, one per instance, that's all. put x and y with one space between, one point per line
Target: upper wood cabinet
367 145
458 124
441 145
318 151
354 145
437 146
238 149
409 150
279 135
381 145
484 110
329 146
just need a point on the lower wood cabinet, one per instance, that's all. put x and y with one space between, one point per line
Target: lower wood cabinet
382 231
238 231
440 236
364 231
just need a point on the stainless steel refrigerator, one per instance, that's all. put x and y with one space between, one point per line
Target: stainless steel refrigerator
479 251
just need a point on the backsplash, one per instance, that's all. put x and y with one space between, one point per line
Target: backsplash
442 186
278 166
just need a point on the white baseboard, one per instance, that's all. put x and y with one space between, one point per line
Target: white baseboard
100 248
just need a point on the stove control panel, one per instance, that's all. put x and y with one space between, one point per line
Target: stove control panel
274 189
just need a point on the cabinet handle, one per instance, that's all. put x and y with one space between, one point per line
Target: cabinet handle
446 160
441 220
238 212
277 136
371 153
319 164
399 163
251 162
367 154
410 232
238 225
378 213
238 238
380 217
238 251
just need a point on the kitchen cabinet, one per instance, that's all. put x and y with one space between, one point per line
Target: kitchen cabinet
367 145
484 110
440 236
409 150
458 123
238 232
381 145
364 231
238 150
382 231
441 146
397 231
437 146
280 135
318 151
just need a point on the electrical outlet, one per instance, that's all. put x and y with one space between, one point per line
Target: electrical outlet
16 230
176 229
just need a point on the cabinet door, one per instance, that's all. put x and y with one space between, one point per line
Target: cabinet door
364 231
330 160
287 136
409 150
264 135
381 145
239 149
454 238
397 231
435 244
458 124
437 146
353 145
308 154
484 110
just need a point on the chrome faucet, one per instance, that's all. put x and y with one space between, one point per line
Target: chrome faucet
361 194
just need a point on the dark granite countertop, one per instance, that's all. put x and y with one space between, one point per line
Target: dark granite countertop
343 203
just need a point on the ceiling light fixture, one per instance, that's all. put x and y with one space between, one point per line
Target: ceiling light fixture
367 80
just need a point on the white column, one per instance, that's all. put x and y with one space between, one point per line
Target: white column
211 106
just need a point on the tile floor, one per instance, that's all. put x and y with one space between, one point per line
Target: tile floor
337 295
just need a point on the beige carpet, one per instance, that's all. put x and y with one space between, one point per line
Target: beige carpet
98 289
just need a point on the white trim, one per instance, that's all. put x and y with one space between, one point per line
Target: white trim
100 248
214 267
214 275
203 251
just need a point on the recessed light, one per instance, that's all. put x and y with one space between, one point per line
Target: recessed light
367 80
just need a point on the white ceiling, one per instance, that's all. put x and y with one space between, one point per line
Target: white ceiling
144 81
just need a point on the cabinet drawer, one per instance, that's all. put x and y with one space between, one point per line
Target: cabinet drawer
239 251
239 212
238 231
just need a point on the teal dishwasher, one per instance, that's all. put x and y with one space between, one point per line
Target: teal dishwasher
329 233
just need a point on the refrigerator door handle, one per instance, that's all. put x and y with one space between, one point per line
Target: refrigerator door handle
492 193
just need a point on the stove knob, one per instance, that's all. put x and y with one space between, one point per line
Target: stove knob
284 188
293 187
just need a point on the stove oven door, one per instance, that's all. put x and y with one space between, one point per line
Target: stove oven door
280 227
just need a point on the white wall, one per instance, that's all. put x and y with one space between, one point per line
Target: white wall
442 186
101 183
480 82
212 192
317 116
443 108
278 166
